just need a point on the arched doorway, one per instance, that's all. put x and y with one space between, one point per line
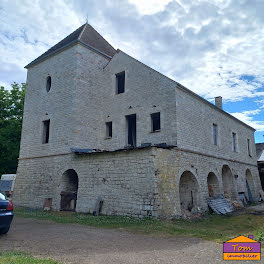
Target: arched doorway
189 193
250 185
228 183
213 185
69 190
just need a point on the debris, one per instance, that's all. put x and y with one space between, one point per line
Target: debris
242 198
237 205
98 206
210 190
220 205
47 204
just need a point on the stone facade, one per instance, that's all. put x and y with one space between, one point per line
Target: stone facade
151 181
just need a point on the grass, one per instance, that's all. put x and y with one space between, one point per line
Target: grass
214 227
14 257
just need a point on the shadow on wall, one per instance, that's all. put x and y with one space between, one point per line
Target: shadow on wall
189 193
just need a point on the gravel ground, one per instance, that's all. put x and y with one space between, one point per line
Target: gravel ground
72 243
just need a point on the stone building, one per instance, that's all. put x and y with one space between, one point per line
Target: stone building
101 125
260 158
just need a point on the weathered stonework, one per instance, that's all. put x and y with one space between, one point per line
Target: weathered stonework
154 181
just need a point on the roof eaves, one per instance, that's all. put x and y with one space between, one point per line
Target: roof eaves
212 105
38 60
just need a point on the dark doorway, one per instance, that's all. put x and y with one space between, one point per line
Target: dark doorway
131 130
69 190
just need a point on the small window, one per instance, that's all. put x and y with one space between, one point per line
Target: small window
120 82
46 131
108 129
234 139
155 122
48 83
248 145
215 134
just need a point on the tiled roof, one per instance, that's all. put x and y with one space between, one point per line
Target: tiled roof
86 35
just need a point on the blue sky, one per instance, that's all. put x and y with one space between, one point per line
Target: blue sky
213 47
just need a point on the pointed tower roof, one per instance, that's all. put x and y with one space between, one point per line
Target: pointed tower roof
85 35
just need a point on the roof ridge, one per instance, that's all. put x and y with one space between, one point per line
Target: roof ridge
82 31
100 35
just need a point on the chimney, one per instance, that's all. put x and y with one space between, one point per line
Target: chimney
218 102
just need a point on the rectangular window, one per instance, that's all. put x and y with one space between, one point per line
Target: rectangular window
131 130
120 82
234 139
46 131
155 122
248 145
108 129
215 134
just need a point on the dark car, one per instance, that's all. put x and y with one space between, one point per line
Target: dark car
6 214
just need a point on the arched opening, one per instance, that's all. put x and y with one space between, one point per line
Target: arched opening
213 185
228 183
48 83
250 185
69 190
189 193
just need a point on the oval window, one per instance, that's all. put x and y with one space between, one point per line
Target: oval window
48 83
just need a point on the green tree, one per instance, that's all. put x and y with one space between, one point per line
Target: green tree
11 115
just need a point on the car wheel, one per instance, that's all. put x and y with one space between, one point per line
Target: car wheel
4 230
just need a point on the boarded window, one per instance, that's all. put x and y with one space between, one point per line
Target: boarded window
46 131
155 122
234 140
108 129
215 134
120 82
48 83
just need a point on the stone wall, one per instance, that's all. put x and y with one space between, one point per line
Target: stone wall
139 182
124 180
170 165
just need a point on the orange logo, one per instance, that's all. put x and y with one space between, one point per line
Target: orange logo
242 248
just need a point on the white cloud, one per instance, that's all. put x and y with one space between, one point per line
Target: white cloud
248 118
209 46
150 7
27 30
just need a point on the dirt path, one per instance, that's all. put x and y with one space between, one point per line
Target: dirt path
72 243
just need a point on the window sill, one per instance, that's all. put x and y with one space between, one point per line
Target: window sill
108 138
129 147
156 131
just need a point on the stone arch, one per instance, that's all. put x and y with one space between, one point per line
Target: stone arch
213 185
250 185
69 189
228 183
189 193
